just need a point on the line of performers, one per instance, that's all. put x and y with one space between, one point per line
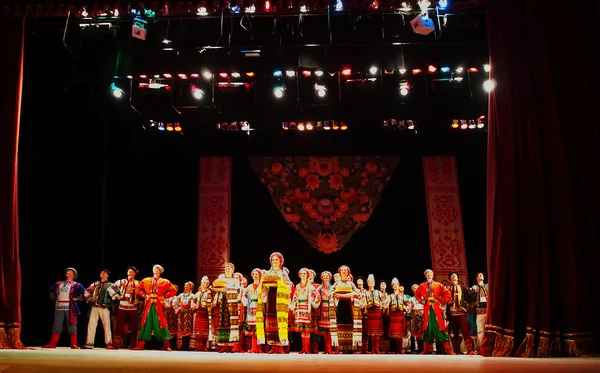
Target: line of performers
347 317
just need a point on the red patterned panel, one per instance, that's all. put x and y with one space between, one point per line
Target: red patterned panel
446 236
214 216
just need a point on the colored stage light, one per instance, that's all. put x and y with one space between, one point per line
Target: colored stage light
116 91
197 92
455 123
442 4
306 73
344 126
278 92
309 126
320 90
327 125
277 73
178 128
335 126
431 69
301 126
472 124
417 71
410 124
480 123
250 74
346 72
404 88
170 127
167 75
473 70
445 69
267 7
339 6
463 124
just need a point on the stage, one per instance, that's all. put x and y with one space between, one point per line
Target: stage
100 360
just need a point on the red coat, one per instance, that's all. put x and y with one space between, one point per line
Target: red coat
439 296
165 290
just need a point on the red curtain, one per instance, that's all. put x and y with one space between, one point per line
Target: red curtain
11 70
543 185
325 199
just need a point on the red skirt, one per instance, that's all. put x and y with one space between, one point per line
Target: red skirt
398 325
374 322
201 327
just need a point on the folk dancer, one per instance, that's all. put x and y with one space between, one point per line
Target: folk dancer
124 290
360 284
201 305
66 294
185 314
155 290
416 321
457 314
433 295
315 337
226 298
306 299
481 291
326 312
384 345
98 296
171 317
272 311
348 312
250 302
374 306
240 347
399 304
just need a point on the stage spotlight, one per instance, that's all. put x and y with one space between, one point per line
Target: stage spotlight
402 71
116 91
233 126
431 69
197 92
489 85
417 71
207 75
442 4
235 75
327 125
301 126
309 126
410 124
472 124
404 88
373 70
293 125
459 70
290 73
285 126
486 68
347 72
454 123
319 73
170 127
344 126
319 125
277 73
339 6
480 123
178 128
161 126
278 92
320 90
463 124
445 69
335 126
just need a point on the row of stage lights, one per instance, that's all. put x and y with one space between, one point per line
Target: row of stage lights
314 125
225 79
470 124
398 124
206 8
154 125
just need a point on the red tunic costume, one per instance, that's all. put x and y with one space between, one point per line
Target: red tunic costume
433 295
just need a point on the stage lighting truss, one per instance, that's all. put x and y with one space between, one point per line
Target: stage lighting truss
163 127
469 124
399 124
318 125
242 126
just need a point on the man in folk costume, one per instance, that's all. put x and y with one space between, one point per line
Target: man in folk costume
201 306
375 303
185 314
399 304
66 294
326 312
433 296
306 299
481 291
155 290
226 310
416 319
124 290
348 312
250 302
98 297
457 314
273 307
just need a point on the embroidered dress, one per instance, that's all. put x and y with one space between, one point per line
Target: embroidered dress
171 316
374 299
348 318
416 319
185 316
273 309
250 302
202 303
306 299
398 304
226 317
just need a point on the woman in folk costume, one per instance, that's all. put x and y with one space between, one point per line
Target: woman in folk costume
314 337
360 284
201 305
291 316
240 347
272 311
226 310
399 304
416 320
326 312
171 316
154 290
66 294
185 313
374 299
348 314
250 302
306 299
384 346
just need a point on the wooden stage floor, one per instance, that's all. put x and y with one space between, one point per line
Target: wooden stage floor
103 361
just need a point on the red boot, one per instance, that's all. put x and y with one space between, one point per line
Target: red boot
327 343
314 347
53 341
201 344
427 348
254 348
377 345
448 348
305 345
140 346
399 347
470 347
237 347
74 342
167 346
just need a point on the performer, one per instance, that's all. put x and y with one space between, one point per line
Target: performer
171 317
433 295
399 304
374 305
272 311
314 336
185 314
481 300
457 314
416 320
154 290
98 296
124 291
305 300
66 294
226 310
201 305
348 314
240 347
326 312
360 284
250 302
385 318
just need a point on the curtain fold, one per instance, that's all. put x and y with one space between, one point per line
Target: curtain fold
11 66
325 199
542 188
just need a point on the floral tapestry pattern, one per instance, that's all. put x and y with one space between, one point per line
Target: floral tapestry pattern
325 199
